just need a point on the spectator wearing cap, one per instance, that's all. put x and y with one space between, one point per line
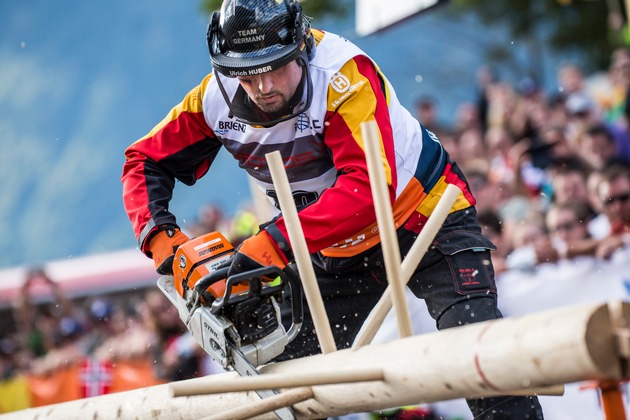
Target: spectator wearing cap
100 311
530 112
582 112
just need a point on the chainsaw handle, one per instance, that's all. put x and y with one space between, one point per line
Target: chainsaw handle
252 277
297 307
211 278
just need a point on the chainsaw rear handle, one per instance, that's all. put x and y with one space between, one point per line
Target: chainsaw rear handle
297 308
211 278
253 277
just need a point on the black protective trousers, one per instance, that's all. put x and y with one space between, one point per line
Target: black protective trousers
455 278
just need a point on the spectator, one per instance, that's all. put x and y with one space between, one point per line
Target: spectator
449 141
67 349
491 227
614 194
499 142
471 145
426 112
38 323
486 78
599 225
567 224
598 147
244 225
118 331
210 218
581 114
176 354
568 182
467 116
528 243
570 80
614 106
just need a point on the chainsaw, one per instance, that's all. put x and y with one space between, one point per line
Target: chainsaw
235 319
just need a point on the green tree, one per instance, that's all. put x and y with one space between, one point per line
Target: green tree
583 27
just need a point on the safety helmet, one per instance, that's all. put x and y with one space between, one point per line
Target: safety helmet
250 37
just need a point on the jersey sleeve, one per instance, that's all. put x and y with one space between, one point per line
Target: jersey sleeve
357 93
181 147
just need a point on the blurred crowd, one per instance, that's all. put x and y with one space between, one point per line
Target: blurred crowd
61 332
49 332
550 170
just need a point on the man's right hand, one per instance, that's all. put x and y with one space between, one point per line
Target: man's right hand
163 246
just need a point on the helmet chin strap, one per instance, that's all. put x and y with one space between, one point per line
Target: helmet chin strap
305 82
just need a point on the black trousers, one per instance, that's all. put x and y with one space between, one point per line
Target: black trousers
455 278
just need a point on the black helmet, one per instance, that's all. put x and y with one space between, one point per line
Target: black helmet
249 37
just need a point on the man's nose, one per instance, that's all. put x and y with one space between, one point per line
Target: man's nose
265 83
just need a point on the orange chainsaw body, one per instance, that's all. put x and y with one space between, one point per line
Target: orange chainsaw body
198 258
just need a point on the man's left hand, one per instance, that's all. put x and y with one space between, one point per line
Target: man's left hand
258 251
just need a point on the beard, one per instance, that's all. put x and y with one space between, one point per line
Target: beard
278 105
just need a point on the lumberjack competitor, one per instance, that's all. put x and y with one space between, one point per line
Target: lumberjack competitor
279 85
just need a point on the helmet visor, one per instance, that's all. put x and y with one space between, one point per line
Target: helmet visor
251 63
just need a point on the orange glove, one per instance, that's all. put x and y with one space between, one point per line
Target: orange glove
162 247
258 251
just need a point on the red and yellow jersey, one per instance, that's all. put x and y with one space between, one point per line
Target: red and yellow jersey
323 150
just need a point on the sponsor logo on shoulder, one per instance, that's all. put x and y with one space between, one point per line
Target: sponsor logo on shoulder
340 83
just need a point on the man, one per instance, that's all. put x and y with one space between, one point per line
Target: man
277 84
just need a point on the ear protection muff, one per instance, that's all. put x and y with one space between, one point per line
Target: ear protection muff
213 30
302 27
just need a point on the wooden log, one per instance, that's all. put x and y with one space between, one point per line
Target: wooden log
490 358
563 345
386 228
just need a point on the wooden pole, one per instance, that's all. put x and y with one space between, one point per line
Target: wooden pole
563 345
386 228
264 406
300 250
275 381
409 264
